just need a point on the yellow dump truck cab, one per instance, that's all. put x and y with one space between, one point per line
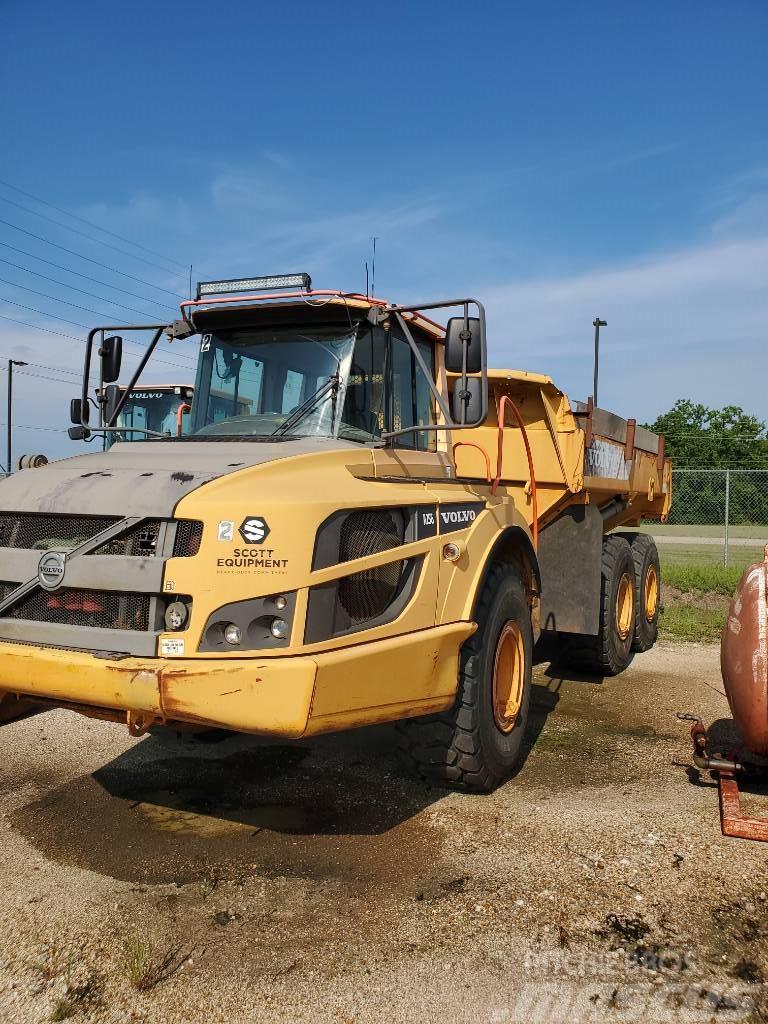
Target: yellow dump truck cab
347 533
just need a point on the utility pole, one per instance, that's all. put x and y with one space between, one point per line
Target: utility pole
597 323
11 364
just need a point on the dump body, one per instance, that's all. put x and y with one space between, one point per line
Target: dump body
292 583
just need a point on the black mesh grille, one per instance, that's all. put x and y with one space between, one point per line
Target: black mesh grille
99 609
367 594
139 541
189 533
369 532
6 589
41 531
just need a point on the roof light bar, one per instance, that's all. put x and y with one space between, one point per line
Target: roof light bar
254 284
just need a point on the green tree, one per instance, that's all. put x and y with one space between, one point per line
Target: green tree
729 438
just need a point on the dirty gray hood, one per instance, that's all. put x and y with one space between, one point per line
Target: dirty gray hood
140 478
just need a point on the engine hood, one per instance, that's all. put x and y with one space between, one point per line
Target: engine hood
143 478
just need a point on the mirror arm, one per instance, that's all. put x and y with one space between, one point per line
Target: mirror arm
89 350
429 374
449 424
136 374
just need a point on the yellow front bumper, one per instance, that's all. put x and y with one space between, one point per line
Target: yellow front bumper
282 696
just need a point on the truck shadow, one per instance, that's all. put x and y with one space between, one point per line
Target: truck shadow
546 695
339 808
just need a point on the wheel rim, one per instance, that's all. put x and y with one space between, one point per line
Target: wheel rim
651 593
508 677
625 606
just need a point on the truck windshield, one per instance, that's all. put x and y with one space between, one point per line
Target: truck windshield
272 382
288 382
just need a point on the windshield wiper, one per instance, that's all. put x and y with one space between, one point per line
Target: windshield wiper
331 387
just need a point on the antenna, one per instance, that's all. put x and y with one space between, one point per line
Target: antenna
366 279
373 267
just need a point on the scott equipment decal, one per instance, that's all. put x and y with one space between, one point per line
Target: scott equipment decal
254 529
226 530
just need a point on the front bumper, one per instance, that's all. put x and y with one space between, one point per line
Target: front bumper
400 677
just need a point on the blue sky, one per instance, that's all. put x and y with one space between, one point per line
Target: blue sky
558 160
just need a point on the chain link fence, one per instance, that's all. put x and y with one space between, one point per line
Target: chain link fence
718 516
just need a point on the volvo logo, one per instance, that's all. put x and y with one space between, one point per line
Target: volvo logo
50 569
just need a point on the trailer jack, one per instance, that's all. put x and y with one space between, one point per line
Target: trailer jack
726 770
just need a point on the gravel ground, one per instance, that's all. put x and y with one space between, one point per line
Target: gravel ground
148 880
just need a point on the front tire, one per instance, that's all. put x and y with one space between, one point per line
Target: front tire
478 743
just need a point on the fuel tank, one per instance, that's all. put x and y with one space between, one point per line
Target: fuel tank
744 657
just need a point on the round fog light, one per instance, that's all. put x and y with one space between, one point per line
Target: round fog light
176 615
233 634
279 629
281 602
451 552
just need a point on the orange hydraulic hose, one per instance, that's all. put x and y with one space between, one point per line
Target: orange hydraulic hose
184 408
483 452
507 401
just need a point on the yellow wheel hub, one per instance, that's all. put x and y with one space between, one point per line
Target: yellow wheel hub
625 606
651 593
508 677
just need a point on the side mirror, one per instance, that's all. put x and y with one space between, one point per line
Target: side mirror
79 433
467 401
79 413
110 400
111 353
455 340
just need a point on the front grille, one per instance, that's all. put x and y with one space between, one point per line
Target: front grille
99 609
6 588
43 531
140 541
189 533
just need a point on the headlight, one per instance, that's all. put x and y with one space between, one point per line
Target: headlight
233 634
279 629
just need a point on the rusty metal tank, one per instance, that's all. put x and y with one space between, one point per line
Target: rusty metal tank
744 657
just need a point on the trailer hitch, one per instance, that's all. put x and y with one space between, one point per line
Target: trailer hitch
733 821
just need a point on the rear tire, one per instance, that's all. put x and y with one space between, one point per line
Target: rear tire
645 556
478 743
610 652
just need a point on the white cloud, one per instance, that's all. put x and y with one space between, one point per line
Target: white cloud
687 323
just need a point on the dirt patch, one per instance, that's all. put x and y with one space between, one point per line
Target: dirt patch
704 600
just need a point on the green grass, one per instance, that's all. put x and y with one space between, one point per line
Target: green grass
696 625
743 531
707 578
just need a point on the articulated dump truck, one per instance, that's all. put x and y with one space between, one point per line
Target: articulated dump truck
361 524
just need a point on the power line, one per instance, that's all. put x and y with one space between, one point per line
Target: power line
77 273
44 366
84 234
72 287
73 337
90 224
30 426
54 298
72 323
105 266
